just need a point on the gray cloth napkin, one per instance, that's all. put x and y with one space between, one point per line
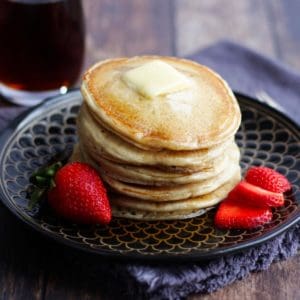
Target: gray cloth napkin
246 72
252 74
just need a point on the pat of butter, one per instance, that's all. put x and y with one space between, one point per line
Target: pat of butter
156 78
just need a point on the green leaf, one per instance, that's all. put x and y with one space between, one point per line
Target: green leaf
43 180
48 171
52 184
35 196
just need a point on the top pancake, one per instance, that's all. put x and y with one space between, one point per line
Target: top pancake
199 117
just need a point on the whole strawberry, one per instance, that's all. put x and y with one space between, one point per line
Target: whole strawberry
79 195
74 191
268 179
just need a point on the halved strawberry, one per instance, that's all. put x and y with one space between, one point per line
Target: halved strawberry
232 214
268 179
250 194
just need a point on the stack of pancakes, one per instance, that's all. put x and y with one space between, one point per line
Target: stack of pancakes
168 157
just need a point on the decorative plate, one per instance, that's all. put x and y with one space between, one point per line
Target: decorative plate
266 137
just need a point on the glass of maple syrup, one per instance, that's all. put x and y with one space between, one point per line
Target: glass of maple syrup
42 48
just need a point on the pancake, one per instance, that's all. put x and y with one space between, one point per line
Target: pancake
199 202
172 193
161 139
155 177
198 118
125 212
76 156
97 141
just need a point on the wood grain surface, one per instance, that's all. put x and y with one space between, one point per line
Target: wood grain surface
32 267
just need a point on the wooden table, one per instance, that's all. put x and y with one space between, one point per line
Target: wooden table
32 267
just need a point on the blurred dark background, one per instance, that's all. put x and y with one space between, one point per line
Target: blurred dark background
182 27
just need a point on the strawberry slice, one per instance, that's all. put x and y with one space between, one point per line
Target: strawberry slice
232 214
268 179
253 195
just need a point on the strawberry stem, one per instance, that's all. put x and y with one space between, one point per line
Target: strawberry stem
36 196
42 180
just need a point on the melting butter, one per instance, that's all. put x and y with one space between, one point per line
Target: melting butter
156 78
